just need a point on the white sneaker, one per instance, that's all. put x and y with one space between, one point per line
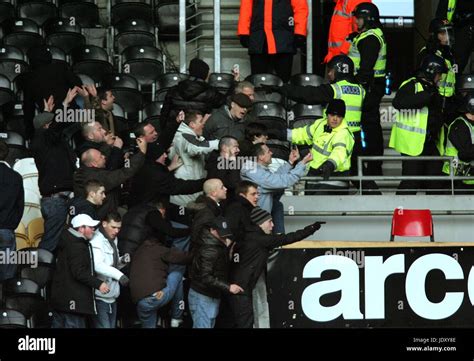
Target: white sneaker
176 323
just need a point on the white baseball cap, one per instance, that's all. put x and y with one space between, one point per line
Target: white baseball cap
83 220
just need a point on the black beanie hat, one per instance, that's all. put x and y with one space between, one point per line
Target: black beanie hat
336 107
259 215
198 68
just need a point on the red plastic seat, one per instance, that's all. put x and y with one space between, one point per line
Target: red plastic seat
412 223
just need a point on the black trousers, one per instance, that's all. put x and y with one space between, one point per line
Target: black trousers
371 126
281 64
464 45
419 168
325 189
242 309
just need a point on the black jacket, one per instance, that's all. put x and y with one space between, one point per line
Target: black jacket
460 136
207 211
12 197
228 172
54 159
210 269
74 279
407 99
238 216
154 180
253 253
190 94
145 222
112 179
463 8
80 205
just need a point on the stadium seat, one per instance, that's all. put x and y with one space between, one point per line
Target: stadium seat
412 223
165 82
16 145
146 63
22 240
15 118
465 83
306 80
64 35
23 295
36 231
222 81
167 19
263 96
7 11
6 92
42 272
126 91
305 111
86 79
26 167
280 149
59 56
152 112
268 110
22 33
38 11
85 12
12 62
92 61
126 9
264 79
12 318
131 32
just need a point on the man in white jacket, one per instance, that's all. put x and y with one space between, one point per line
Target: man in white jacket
107 265
192 147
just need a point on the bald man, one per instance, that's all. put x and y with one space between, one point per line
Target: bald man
93 167
209 207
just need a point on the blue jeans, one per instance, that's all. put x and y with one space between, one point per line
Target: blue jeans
54 211
7 244
278 216
68 320
182 244
147 307
204 309
106 315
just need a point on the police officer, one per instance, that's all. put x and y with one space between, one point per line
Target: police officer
332 143
417 129
342 86
272 30
368 51
460 145
440 43
461 14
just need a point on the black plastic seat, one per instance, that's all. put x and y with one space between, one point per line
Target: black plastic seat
86 79
264 79
61 33
263 96
132 32
12 62
280 149
268 110
465 83
126 91
85 12
305 111
144 62
167 19
44 256
165 82
221 81
7 11
16 145
306 80
12 319
14 117
38 11
6 92
152 112
58 55
23 295
126 9
22 33
92 61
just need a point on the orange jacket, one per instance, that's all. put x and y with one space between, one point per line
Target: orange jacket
342 24
273 21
